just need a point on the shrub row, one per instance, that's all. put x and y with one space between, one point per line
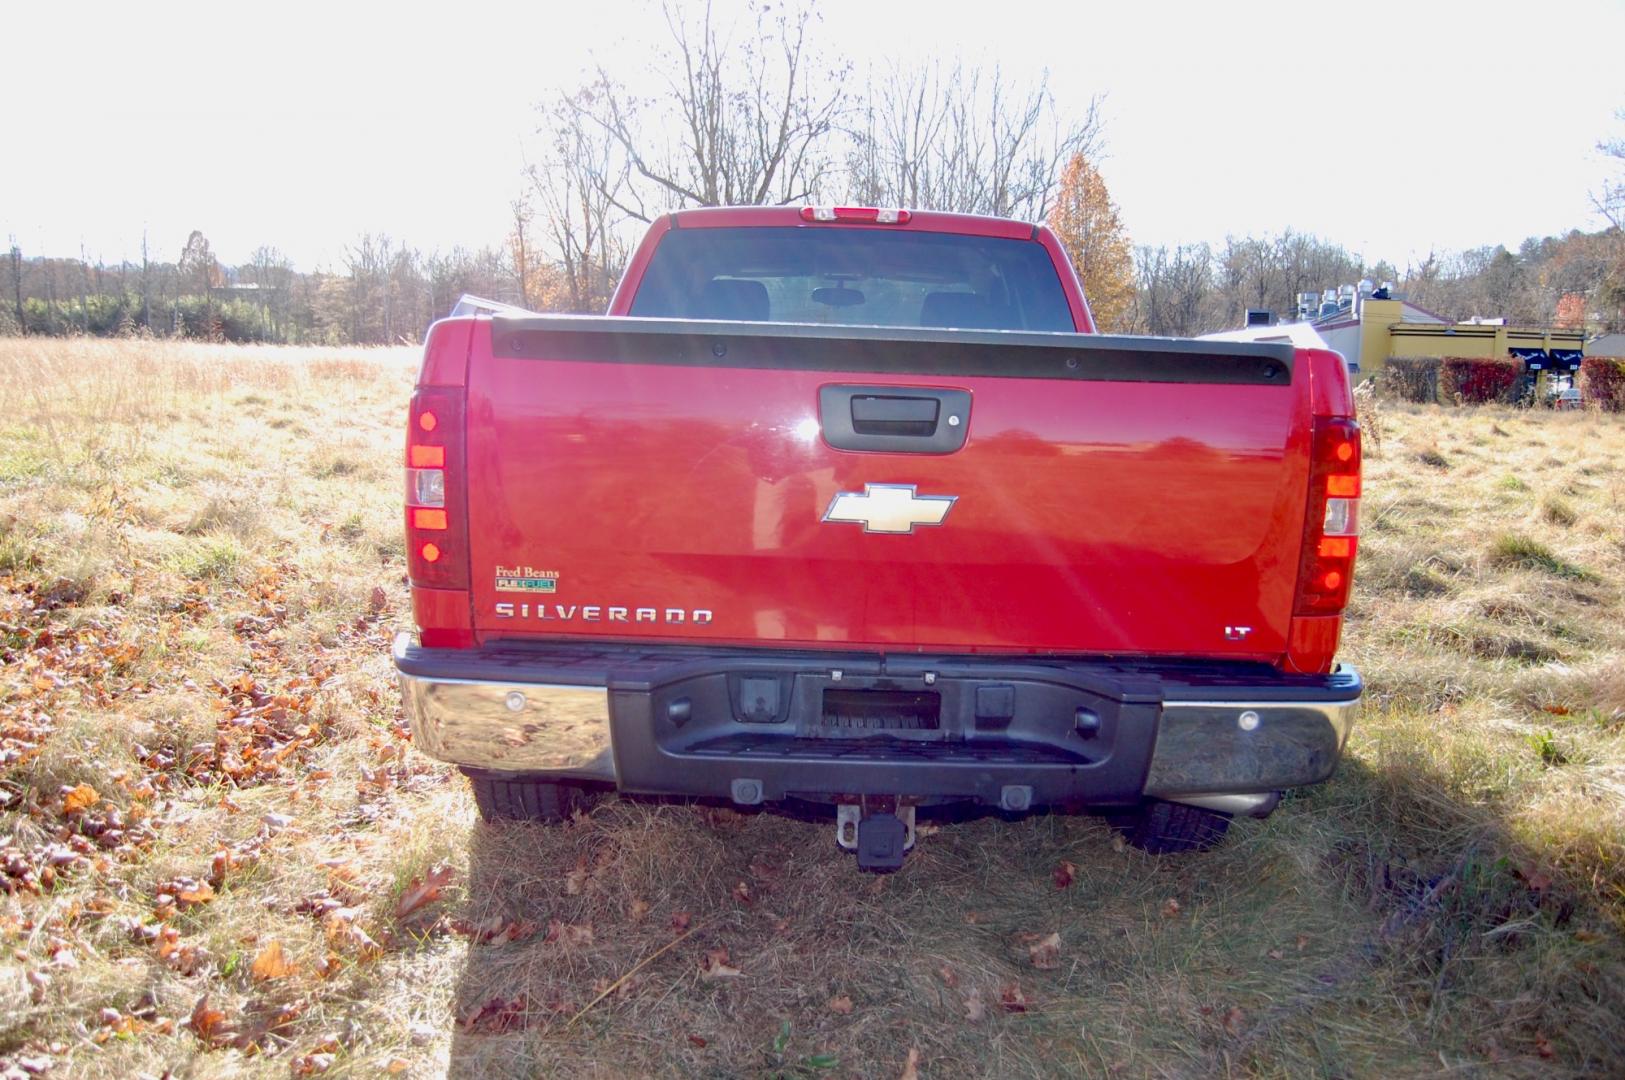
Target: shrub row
1461 379
107 315
1472 381
1602 382
1411 378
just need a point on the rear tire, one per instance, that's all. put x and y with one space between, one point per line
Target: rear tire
1166 828
549 802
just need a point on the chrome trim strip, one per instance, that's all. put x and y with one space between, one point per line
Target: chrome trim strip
555 729
1231 804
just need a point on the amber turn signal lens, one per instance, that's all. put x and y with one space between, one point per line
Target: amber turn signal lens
427 457
425 518
430 552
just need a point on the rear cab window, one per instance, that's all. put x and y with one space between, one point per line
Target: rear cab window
853 277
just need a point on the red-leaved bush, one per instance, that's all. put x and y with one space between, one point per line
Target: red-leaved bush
1602 382
1475 381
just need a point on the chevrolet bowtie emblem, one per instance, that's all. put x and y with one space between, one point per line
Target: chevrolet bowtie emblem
889 508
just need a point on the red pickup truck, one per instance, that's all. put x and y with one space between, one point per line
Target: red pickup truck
853 506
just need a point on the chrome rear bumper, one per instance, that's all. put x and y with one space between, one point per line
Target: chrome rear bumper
1228 751
515 727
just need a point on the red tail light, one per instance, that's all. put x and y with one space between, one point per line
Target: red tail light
1332 524
436 500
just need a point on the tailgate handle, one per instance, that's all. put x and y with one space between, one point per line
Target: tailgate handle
875 415
894 419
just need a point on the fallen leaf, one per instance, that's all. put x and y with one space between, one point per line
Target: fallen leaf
681 920
1065 875
1303 942
1234 1019
576 880
947 975
975 1007
715 965
1276 954
361 940
1011 998
378 600
189 891
568 934
841 1006
312 1064
637 909
1119 843
498 1015
271 963
1543 1045
515 930
911 1070
424 890
1170 908
396 1066
742 893
697 1041
204 1021
1047 952
80 799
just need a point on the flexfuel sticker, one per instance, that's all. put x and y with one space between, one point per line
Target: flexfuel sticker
526 579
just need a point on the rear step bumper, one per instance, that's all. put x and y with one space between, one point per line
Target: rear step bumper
763 725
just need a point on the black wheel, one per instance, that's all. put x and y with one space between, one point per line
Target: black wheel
1165 828
550 802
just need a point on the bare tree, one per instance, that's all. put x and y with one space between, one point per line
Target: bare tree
582 187
1176 290
745 118
1610 201
965 139
518 241
146 290
17 284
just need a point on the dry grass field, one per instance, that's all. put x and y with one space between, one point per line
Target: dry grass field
221 856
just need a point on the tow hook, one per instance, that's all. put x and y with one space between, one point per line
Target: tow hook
879 830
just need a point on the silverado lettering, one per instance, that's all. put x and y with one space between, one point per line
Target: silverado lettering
952 545
595 612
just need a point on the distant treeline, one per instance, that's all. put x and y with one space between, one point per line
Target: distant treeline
388 293
1570 281
385 293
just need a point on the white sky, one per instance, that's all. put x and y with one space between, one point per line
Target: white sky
1391 128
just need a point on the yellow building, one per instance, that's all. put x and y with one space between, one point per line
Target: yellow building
1370 331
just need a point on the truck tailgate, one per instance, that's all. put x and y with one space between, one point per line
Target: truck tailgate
674 481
